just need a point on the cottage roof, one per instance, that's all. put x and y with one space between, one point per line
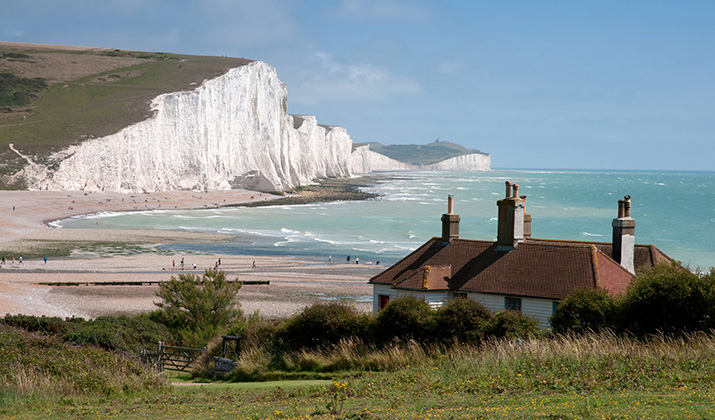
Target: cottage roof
538 268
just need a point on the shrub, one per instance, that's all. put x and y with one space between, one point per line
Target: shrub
322 324
405 318
463 320
670 299
199 308
512 324
584 310
120 333
31 323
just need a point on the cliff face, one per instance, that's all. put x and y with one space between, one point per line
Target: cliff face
364 161
471 162
232 131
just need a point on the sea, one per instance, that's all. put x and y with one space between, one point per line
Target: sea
673 210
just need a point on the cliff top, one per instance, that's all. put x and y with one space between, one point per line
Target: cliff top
54 96
421 155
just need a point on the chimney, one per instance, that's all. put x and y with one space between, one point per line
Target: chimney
527 220
450 223
624 241
511 219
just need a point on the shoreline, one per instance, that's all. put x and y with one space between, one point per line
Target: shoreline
294 282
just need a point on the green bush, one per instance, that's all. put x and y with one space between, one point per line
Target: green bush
670 299
463 320
199 308
512 324
322 324
584 310
405 318
45 324
121 333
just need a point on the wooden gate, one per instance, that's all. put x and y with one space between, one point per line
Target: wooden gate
171 357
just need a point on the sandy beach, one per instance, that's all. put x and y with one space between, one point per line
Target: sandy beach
26 228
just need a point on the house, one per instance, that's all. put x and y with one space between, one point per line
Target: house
517 271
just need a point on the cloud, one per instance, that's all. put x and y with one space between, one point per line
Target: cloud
323 80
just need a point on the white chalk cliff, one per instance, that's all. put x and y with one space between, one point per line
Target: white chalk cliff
470 162
365 161
230 132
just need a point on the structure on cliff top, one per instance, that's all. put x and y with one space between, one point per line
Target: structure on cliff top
517 271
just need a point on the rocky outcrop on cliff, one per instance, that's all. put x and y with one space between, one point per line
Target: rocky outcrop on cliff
470 162
232 131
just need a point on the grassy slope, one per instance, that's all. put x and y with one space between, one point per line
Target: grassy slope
421 154
73 110
590 377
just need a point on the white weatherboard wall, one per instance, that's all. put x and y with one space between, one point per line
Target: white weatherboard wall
232 129
539 309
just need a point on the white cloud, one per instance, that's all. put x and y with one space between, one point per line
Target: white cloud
325 80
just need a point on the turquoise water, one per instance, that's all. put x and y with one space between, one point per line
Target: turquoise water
673 210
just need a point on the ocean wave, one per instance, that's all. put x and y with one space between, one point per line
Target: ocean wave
100 215
591 234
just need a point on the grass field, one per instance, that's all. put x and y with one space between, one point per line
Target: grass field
583 377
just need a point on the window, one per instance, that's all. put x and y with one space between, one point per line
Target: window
512 303
553 308
382 301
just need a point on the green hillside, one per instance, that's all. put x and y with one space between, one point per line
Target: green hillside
426 154
52 97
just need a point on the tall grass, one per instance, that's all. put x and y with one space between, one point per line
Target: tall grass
40 367
567 363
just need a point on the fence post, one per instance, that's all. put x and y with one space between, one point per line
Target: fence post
160 357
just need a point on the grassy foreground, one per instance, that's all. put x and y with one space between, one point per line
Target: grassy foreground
588 377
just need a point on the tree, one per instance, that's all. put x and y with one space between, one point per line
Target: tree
405 318
584 310
199 307
671 299
462 319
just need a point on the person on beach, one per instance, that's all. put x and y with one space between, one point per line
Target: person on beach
3 260
357 260
173 264
348 258
330 258
45 260
254 264
194 266
20 260
219 261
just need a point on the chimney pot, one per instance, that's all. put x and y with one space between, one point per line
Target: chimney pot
508 189
450 222
623 246
515 191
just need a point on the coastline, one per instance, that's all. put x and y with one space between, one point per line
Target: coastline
294 282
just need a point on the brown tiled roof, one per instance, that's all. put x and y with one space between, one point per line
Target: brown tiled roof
644 255
535 268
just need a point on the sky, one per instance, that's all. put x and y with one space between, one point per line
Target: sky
537 84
